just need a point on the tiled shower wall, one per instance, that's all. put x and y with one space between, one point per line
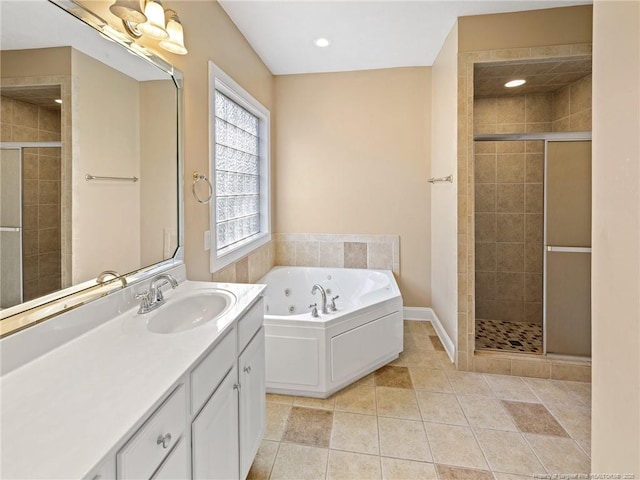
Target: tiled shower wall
41 183
508 230
572 107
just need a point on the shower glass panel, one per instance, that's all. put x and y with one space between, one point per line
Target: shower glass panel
509 233
568 249
10 227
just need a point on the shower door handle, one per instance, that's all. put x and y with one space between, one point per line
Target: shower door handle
569 249
10 229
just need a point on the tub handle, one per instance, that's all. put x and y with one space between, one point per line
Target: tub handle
314 310
333 307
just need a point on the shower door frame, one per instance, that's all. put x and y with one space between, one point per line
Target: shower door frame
21 146
546 138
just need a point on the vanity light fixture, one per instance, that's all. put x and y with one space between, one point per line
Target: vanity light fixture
128 10
515 83
156 22
175 42
154 26
321 42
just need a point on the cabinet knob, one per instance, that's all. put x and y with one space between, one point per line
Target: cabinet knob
164 440
247 369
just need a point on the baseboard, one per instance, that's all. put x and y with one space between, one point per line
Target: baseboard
427 314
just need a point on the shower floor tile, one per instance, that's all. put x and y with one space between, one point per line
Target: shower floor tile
508 336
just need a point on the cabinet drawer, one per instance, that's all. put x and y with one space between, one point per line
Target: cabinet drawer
211 370
143 453
250 323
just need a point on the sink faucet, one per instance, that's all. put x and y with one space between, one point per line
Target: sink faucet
153 298
319 288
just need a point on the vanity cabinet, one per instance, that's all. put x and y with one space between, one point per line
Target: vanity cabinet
211 425
252 406
215 453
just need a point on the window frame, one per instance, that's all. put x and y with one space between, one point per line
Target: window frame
220 81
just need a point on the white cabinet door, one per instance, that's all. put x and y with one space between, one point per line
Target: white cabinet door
252 400
175 466
214 447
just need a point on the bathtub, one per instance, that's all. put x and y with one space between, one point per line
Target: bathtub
316 357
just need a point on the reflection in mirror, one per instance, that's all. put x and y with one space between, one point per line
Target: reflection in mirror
75 104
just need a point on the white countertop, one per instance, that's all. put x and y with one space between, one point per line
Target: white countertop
62 412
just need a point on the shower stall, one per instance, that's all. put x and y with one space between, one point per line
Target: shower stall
30 221
532 243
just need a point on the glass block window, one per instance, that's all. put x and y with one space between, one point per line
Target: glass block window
239 162
237 172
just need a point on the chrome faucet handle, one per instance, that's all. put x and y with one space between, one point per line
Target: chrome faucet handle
332 306
145 301
314 310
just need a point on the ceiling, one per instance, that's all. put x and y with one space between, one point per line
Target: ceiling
542 76
42 96
364 34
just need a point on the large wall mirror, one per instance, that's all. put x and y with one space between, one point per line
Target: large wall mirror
89 165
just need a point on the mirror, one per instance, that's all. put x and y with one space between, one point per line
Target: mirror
89 165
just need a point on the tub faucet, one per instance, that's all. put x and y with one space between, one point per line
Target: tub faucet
153 298
314 310
317 287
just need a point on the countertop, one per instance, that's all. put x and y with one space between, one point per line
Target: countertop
64 411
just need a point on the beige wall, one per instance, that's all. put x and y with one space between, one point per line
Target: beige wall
36 62
105 215
158 171
553 26
616 238
444 197
211 35
353 157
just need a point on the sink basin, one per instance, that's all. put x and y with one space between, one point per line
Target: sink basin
190 310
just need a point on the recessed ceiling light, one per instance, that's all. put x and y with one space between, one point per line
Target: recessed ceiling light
321 42
58 100
515 83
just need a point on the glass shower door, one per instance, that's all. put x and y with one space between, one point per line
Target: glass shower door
568 248
10 227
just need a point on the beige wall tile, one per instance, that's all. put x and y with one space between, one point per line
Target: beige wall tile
533 228
510 310
510 286
533 257
534 198
533 287
25 114
485 147
534 168
242 270
491 365
379 255
510 147
226 275
539 108
581 121
485 227
510 110
510 198
578 373
486 285
510 257
485 309
510 168
285 253
485 257
562 125
49 263
20 133
330 254
49 119
306 254
485 167
485 198
580 95
484 111
510 227
48 192
561 103
355 255
531 368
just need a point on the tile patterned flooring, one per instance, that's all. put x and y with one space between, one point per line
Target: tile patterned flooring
508 336
419 418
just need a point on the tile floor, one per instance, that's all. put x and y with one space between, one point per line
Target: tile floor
508 336
419 418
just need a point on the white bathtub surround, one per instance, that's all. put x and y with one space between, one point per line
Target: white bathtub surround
315 357
426 314
376 252
72 405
